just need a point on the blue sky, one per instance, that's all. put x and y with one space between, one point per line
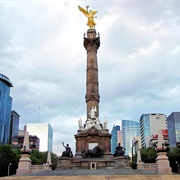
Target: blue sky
41 51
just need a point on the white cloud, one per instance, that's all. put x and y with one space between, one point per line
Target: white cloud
175 50
144 52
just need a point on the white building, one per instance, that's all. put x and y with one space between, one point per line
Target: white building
44 132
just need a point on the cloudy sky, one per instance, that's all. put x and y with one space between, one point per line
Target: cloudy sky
41 51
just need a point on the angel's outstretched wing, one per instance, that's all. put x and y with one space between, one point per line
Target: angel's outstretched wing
83 10
94 12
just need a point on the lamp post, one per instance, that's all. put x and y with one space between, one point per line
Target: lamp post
9 168
132 153
177 167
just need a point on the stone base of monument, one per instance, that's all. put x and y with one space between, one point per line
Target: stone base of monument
140 165
85 163
163 166
121 161
24 166
64 163
106 162
93 163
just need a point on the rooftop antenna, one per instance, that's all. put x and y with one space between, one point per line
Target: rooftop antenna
39 114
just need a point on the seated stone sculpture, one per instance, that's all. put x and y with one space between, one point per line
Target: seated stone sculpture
119 151
67 152
95 152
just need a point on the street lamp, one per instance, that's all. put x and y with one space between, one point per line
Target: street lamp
9 168
177 167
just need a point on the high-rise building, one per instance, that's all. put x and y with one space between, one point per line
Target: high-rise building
115 138
173 125
14 126
5 108
149 125
17 141
44 132
130 129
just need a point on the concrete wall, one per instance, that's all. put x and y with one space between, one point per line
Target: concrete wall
39 168
150 167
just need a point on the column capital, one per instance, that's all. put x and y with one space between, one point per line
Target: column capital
92 43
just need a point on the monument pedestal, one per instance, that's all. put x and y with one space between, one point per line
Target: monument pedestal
84 139
24 166
89 136
162 161
99 163
121 161
140 165
64 163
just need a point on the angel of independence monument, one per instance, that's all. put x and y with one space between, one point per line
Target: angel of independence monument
93 146
92 138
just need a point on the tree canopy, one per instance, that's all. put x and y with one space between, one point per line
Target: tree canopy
9 155
149 155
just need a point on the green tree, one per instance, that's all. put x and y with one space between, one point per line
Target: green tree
54 160
174 158
7 156
133 163
38 157
148 155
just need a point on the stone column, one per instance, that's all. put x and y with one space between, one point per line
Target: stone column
163 166
139 161
91 44
49 158
24 166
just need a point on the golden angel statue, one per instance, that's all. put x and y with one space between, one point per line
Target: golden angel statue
90 15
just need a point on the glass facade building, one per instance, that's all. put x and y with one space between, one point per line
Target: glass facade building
144 128
130 129
44 132
5 108
173 125
114 138
14 126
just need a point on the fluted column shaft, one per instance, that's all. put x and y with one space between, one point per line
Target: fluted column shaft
91 44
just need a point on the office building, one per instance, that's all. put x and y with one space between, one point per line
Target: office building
44 132
130 129
149 125
5 108
17 141
14 126
173 125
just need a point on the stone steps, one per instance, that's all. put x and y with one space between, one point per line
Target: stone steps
97 177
